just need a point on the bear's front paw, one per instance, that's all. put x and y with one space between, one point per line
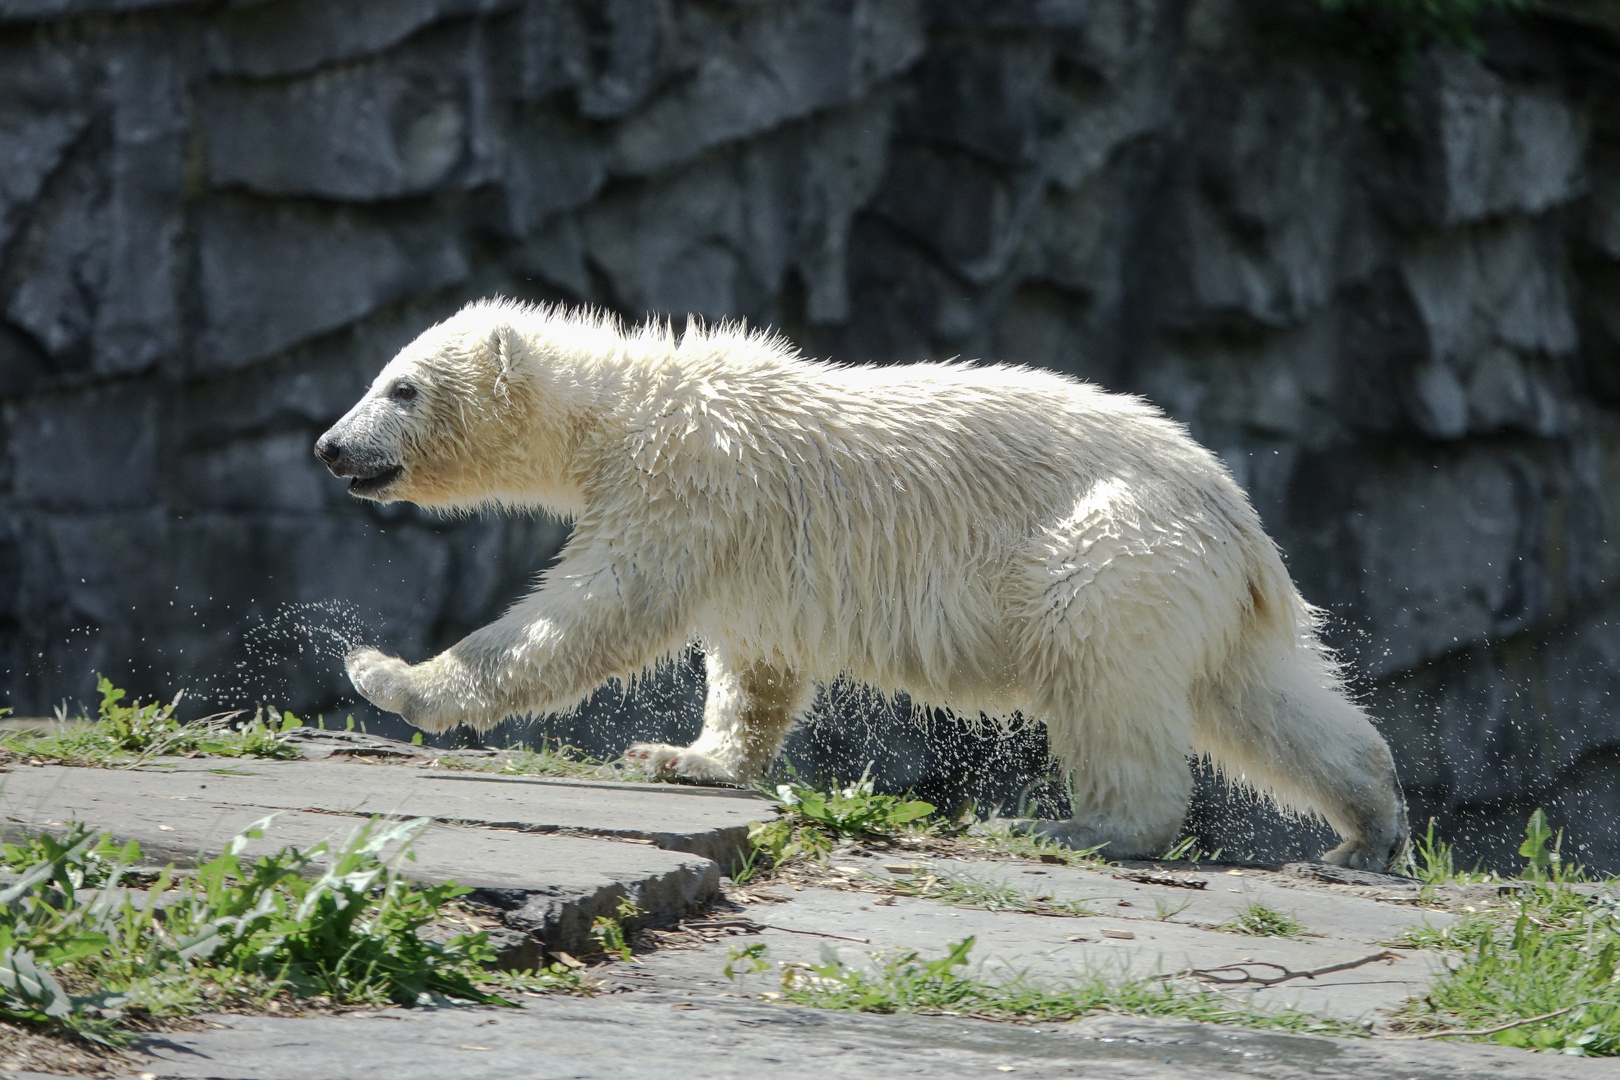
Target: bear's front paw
680 763
383 680
414 691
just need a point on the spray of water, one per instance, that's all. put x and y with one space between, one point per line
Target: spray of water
281 651
327 629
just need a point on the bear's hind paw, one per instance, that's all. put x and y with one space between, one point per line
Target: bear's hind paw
679 763
1378 858
1075 835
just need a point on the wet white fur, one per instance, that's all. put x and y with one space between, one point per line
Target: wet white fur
988 539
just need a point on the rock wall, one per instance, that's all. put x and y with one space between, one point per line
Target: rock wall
1390 306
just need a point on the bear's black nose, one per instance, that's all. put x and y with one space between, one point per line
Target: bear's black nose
328 449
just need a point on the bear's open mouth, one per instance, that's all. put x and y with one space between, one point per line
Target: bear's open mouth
376 482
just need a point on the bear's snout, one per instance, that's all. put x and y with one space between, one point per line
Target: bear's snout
328 449
369 474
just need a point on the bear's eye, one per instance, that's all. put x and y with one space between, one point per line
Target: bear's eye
404 393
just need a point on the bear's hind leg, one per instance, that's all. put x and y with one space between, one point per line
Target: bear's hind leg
1131 785
1291 731
746 717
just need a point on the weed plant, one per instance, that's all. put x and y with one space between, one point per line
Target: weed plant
1540 969
1433 862
907 982
811 821
127 735
334 926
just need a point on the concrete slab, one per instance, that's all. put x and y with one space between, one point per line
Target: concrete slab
553 855
1058 948
538 850
674 1036
549 885
712 822
1364 914
1169 928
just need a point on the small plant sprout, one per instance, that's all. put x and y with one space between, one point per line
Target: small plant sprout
748 960
746 865
1540 850
1165 912
1258 920
609 930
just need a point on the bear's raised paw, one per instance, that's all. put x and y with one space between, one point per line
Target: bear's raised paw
381 679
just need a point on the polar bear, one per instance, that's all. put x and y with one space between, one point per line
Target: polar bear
989 539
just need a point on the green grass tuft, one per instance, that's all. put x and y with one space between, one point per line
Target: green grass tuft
1187 850
1000 841
1540 969
907 982
126 735
552 758
990 895
81 954
1433 862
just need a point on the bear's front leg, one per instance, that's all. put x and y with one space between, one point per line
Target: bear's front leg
746 716
593 620
414 691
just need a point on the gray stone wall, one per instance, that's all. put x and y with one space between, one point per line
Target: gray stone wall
1390 307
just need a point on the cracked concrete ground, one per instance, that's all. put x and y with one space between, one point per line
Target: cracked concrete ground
547 856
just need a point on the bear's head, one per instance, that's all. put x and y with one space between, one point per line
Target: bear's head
479 410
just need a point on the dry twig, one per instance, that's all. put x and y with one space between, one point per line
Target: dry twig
1217 974
1161 877
750 926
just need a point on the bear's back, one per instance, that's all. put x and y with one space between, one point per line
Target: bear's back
878 518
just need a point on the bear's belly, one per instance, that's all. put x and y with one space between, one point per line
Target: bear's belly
958 656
